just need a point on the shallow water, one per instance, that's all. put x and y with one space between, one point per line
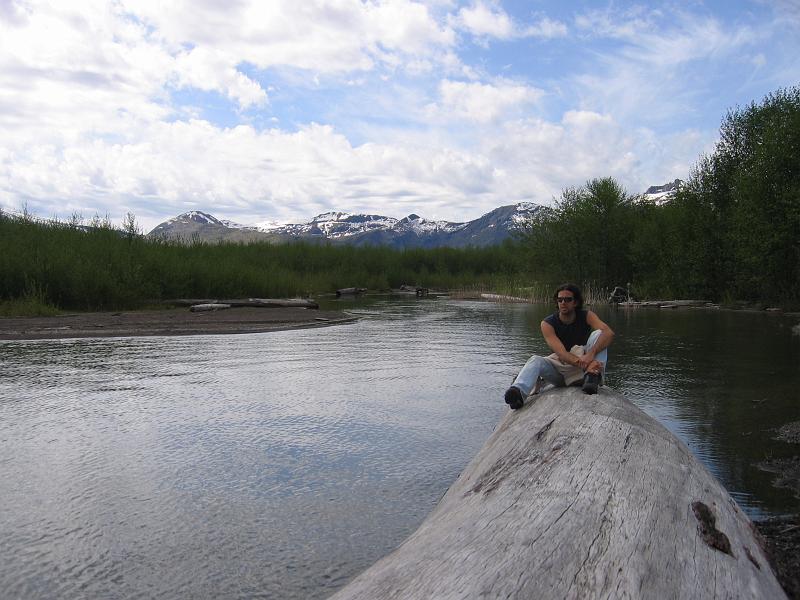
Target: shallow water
279 465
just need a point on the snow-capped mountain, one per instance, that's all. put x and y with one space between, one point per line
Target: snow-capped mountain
358 229
338 225
375 230
661 194
197 225
195 217
334 225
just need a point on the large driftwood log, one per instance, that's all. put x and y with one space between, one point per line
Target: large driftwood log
577 496
274 303
211 307
253 302
351 291
503 298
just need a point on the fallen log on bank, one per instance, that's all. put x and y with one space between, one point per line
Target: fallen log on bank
577 496
211 307
253 302
351 291
673 304
504 298
418 291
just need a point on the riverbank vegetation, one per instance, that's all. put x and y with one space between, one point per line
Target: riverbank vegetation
732 232
51 264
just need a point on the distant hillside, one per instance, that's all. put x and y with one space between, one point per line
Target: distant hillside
197 225
663 193
412 231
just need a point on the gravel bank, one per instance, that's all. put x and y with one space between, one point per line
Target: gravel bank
166 322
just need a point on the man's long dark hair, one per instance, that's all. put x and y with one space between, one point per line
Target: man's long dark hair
576 291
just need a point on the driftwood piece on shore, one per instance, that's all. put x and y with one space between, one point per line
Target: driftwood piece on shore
208 307
674 303
254 302
418 291
275 303
351 291
504 298
577 496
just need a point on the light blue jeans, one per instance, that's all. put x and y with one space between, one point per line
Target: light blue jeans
538 366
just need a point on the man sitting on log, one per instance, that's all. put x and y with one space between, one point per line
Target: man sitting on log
587 338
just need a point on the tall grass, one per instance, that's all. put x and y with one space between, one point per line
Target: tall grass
63 265
33 303
542 291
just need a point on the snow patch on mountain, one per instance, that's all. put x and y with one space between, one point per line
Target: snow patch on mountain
267 226
410 231
523 212
234 225
195 216
661 194
335 225
421 226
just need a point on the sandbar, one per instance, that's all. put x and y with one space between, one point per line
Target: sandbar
179 321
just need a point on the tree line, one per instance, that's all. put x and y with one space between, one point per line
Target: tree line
731 232
46 266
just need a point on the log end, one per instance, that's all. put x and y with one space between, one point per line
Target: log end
577 496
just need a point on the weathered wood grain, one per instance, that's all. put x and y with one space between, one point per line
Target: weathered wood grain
208 307
251 302
351 291
578 496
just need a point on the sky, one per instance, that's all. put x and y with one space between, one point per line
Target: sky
275 111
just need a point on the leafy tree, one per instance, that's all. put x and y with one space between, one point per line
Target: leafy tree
732 231
586 237
748 197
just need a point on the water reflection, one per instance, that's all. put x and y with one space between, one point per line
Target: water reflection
281 464
723 382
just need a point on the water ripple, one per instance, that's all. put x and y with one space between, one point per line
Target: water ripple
281 464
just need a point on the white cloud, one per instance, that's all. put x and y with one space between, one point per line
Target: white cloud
242 173
99 110
759 60
67 73
787 11
482 19
488 20
214 70
482 103
86 111
546 28
319 36
658 63
246 175
655 41
536 159
106 68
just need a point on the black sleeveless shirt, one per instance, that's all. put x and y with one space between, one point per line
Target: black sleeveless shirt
576 333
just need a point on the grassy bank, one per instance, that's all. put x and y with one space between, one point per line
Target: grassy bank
730 233
50 266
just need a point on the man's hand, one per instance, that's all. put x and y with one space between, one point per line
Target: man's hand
595 367
585 361
588 363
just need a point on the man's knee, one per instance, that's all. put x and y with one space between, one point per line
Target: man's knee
593 337
534 360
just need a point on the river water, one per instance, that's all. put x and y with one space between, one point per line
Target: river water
280 465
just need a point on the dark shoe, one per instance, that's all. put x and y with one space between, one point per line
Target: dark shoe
591 382
514 397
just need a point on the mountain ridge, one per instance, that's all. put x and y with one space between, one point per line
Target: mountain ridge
355 228
362 229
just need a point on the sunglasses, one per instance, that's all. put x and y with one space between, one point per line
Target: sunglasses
565 299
